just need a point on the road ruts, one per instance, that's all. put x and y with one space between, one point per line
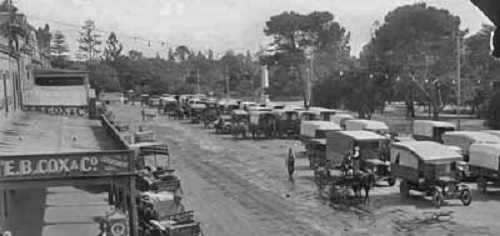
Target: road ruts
300 215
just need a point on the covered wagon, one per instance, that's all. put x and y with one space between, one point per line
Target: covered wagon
484 164
373 148
428 167
428 130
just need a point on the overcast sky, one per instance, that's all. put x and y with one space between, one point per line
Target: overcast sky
217 24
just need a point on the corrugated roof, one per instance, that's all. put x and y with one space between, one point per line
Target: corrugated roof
363 135
429 151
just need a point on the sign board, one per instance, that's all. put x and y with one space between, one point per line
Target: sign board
64 165
79 111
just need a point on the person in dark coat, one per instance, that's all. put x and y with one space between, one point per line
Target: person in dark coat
291 162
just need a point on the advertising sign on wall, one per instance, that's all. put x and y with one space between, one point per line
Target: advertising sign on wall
27 167
80 111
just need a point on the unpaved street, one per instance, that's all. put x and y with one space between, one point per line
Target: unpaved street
240 187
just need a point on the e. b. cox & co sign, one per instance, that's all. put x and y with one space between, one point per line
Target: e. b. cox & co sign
65 165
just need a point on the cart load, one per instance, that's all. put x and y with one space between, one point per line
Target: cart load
369 125
464 139
340 119
182 224
429 167
317 129
161 204
428 130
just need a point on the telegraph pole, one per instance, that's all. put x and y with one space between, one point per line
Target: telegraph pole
227 84
310 84
459 80
198 80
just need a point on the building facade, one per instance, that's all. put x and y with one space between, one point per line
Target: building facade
22 50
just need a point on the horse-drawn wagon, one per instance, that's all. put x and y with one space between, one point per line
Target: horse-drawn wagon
428 167
262 121
196 112
341 119
373 150
484 165
223 124
287 122
240 120
428 130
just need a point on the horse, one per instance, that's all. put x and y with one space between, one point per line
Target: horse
363 183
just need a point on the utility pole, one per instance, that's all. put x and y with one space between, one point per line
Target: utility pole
310 84
227 84
459 80
198 80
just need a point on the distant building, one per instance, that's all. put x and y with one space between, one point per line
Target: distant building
112 98
22 49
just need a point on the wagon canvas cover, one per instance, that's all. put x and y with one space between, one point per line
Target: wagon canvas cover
341 118
485 155
339 142
308 128
410 154
464 139
365 125
426 127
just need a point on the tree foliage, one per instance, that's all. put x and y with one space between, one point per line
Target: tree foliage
419 43
59 49
113 49
294 34
89 40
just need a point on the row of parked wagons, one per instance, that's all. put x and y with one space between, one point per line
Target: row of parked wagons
436 159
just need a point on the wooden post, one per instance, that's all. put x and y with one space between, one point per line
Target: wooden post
134 217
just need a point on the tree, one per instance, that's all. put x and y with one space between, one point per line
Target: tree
171 54
89 40
182 53
59 49
135 55
104 77
419 43
295 33
113 49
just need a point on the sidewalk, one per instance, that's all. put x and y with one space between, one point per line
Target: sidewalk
58 211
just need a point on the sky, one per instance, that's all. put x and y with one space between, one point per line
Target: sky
154 25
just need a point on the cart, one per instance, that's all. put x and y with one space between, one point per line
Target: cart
374 152
428 167
239 123
484 165
428 130
223 125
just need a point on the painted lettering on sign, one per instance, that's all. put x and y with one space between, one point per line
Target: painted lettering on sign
60 110
74 164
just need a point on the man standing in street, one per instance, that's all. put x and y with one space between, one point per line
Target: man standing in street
291 163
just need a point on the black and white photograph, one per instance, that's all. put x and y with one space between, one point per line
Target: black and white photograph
249 117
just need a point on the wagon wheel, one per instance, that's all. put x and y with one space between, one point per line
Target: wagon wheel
437 198
481 184
465 197
404 189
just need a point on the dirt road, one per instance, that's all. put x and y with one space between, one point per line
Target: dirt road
240 187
